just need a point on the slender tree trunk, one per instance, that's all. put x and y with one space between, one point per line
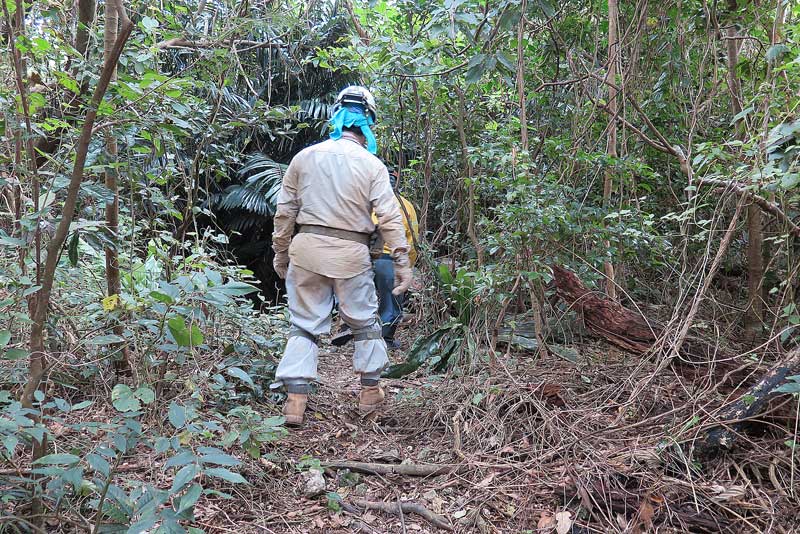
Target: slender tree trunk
37 341
16 30
121 362
468 173
611 143
24 165
523 115
755 239
427 172
85 19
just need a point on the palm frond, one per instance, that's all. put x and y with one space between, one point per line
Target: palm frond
258 193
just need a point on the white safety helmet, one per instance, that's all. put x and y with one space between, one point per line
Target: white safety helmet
355 94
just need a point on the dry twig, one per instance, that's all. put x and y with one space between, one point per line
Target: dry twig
414 470
399 508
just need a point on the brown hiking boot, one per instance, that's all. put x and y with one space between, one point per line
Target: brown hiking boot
294 408
370 399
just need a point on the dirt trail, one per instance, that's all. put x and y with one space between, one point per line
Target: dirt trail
335 431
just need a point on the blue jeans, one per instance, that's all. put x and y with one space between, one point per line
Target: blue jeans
390 307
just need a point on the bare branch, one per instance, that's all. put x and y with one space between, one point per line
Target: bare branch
767 206
180 42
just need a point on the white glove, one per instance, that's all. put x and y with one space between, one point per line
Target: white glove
403 276
281 264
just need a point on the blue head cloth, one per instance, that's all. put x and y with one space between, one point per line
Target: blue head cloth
353 116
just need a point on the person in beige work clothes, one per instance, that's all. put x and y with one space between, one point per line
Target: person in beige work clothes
329 192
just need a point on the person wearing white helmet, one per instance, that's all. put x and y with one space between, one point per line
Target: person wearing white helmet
322 229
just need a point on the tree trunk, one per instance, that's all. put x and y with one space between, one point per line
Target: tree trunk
37 341
427 172
611 142
523 112
121 361
771 228
468 175
16 30
755 274
755 264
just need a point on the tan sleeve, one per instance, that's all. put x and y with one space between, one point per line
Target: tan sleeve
286 212
390 220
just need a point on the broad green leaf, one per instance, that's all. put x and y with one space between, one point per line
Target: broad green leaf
81 405
196 336
791 387
475 68
182 458
185 475
161 444
183 336
224 474
241 375
72 249
123 399
775 52
99 464
190 497
142 526
790 180
10 442
15 354
149 24
161 297
73 476
145 394
58 459
5 337
235 289
177 415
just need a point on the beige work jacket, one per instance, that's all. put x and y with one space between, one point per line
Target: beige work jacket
337 184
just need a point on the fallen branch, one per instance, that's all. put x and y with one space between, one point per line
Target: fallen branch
625 328
399 508
414 470
732 417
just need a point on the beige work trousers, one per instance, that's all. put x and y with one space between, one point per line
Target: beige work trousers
311 299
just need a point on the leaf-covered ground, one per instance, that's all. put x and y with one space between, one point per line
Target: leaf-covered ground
542 445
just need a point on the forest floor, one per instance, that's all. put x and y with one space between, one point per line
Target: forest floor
535 443
540 445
